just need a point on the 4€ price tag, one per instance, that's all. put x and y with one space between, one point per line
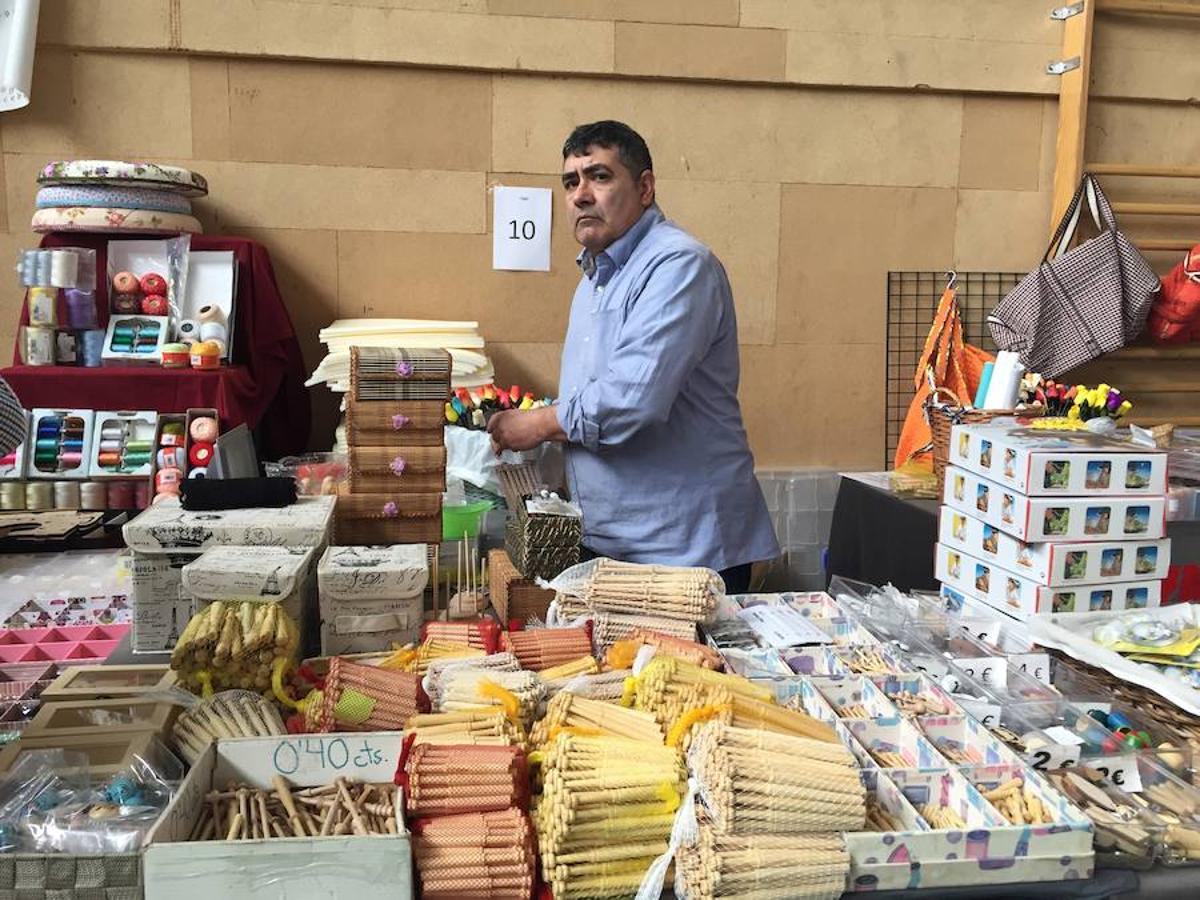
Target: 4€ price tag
521 229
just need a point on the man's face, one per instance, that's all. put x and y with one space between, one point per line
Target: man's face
603 197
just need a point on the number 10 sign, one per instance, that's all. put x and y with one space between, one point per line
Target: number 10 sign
521 229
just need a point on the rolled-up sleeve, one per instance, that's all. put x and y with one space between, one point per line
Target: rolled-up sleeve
667 330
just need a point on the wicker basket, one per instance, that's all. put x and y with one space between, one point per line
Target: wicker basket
515 597
399 470
373 519
413 423
378 373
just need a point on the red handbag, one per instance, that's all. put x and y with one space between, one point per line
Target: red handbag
1175 316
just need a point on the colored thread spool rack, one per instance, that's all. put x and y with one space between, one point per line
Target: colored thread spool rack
124 444
61 443
68 645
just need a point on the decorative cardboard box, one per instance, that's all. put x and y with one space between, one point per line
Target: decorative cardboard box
1053 563
1055 518
1020 596
161 609
371 597
1060 463
166 527
283 575
124 444
367 867
59 443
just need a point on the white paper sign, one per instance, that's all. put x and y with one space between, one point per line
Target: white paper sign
521 229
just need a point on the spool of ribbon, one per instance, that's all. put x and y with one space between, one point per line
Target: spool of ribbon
93 495
211 313
188 331
64 271
213 331
66 495
91 344
39 495
12 495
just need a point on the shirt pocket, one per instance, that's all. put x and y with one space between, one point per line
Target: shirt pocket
606 329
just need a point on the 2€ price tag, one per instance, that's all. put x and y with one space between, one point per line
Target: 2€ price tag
1121 771
521 229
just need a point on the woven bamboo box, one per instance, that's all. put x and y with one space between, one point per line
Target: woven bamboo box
391 518
378 373
513 596
397 469
383 423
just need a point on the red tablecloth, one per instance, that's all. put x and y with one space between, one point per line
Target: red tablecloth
265 389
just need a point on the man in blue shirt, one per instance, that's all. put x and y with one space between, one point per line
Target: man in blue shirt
656 453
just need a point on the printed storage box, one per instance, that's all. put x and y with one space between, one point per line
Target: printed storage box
371 597
1055 518
1040 463
1053 563
1020 596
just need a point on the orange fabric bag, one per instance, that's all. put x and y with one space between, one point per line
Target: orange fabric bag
950 363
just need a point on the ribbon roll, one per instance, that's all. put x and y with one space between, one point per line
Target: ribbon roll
211 313
64 272
213 331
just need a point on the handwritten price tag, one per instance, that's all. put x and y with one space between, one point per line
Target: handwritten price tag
312 755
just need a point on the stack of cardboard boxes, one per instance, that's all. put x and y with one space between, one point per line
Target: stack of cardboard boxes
1038 522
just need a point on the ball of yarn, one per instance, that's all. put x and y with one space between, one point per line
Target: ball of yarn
204 428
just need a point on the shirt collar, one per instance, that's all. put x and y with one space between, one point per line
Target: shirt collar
619 251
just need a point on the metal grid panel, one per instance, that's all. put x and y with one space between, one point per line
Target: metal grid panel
912 299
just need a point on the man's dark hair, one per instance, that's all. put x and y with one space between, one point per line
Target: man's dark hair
630 147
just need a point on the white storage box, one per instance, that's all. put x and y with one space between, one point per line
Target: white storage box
366 867
1053 563
282 575
1021 597
166 527
371 597
1055 518
1059 463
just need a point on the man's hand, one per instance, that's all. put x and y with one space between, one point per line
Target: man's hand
524 429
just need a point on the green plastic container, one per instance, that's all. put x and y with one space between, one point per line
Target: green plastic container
463 519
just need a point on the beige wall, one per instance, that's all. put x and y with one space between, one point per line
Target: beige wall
814 143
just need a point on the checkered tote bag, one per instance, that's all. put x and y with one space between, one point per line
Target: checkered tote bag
1080 302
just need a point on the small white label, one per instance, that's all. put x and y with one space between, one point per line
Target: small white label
521 229
1121 771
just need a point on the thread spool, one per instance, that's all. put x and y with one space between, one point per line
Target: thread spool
81 309
64 268
210 312
38 346
43 268
120 495
214 331
39 495
91 348
43 306
12 495
93 495
141 494
66 495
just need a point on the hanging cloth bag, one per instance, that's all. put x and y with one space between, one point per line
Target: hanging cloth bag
1081 302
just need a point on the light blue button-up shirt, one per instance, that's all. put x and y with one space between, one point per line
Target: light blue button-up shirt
657 454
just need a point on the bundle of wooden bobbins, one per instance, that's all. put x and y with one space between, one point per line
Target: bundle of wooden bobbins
751 782
542 648
570 711
486 726
244 812
366 698
605 813
662 591
797 867
475 855
447 780
518 693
